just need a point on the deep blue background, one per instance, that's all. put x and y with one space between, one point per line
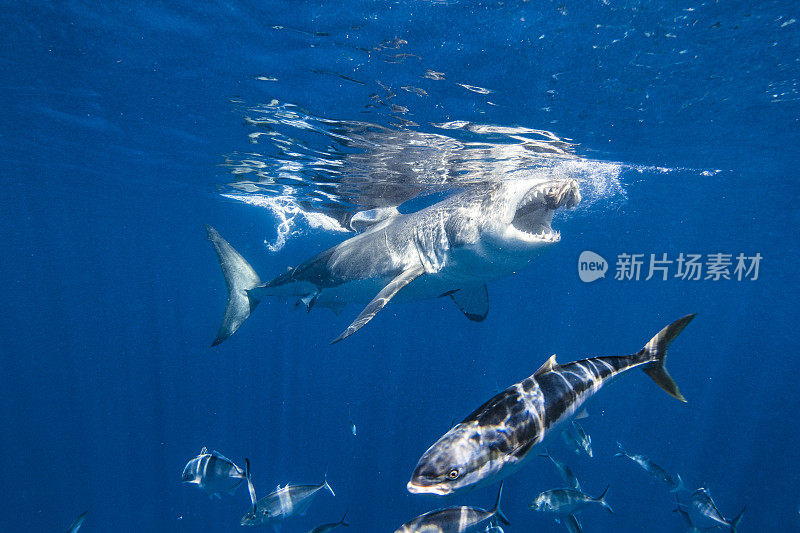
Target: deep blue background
114 123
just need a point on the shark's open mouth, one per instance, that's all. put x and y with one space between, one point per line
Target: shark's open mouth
534 212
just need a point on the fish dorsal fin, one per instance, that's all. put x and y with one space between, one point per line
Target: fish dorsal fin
583 414
204 451
364 220
548 365
473 302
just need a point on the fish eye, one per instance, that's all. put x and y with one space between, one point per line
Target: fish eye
453 474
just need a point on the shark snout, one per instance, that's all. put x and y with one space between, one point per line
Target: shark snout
563 194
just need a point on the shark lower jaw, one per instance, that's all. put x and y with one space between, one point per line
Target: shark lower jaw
415 488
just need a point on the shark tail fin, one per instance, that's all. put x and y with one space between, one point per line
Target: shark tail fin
735 521
655 351
496 511
239 278
602 500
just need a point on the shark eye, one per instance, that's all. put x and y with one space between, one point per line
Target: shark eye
453 474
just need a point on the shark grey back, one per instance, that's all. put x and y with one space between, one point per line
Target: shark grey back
451 248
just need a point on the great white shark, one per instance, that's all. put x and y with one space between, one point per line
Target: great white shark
451 248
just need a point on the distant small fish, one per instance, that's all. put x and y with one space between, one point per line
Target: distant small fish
458 520
566 501
681 510
702 506
570 441
327 527
582 441
354 430
564 470
571 523
76 525
213 473
282 503
658 473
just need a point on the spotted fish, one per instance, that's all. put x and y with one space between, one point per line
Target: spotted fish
456 520
495 439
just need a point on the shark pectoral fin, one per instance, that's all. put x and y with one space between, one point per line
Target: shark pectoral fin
473 302
383 297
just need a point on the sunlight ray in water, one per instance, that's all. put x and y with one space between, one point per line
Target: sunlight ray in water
318 172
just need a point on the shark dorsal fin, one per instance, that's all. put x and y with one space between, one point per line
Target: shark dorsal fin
548 365
366 219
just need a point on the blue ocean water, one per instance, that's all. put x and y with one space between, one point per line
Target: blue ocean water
126 127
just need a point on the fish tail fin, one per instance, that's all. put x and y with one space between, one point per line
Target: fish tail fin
602 500
326 485
680 486
655 351
496 511
546 453
735 521
250 486
239 278
342 522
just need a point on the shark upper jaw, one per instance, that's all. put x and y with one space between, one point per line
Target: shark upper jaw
533 212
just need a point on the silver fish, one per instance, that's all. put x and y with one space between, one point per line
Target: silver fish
213 473
570 441
496 438
571 523
564 470
684 513
656 472
327 527
582 439
282 503
456 519
702 508
76 525
566 501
